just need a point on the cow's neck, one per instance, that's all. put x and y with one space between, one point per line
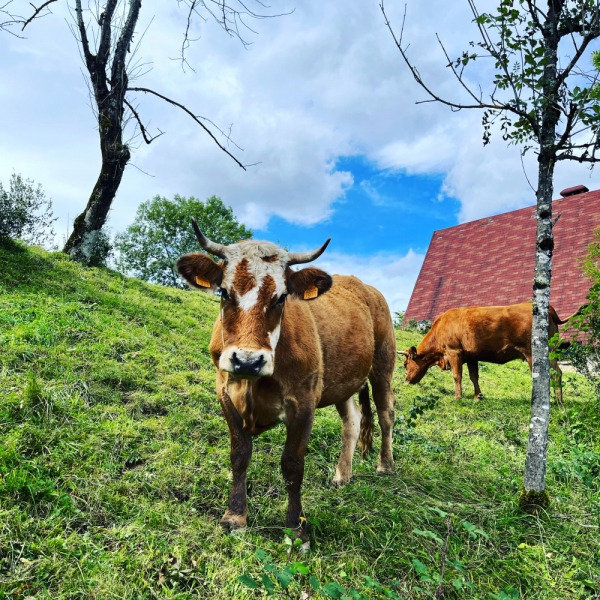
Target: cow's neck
428 354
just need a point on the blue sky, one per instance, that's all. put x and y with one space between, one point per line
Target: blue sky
384 212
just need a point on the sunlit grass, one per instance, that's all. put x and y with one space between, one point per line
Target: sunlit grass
114 461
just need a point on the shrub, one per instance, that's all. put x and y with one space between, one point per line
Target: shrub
585 356
103 250
25 213
398 318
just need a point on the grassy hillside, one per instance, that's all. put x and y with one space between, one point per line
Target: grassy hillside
114 463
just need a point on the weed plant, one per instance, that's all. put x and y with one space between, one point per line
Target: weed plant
114 465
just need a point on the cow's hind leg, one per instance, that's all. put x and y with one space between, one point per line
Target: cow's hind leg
474 375
351 418
556 376
380 377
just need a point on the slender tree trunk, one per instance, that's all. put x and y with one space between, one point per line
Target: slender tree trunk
534 482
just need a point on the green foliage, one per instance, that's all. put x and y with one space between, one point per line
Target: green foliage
293 580
25 213
115 465
410 325
103 250
585 355
162 232
398 318
451 569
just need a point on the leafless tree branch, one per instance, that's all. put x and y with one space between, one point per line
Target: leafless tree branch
229 18
11 20
147 139
36 13
189 112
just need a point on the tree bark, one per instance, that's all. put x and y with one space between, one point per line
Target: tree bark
109 94
87 226
534 482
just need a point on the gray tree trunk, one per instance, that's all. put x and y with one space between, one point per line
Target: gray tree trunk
534 482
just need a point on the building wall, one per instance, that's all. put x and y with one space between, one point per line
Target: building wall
491 262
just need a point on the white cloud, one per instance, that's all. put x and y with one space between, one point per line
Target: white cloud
394 276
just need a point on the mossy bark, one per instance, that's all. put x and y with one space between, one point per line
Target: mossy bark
532 501
534 481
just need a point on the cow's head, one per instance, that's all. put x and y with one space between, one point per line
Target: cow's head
416 366
253 279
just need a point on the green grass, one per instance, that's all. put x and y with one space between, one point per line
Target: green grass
114 462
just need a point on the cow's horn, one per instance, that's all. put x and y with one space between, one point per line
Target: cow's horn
298 258
402 352
212 247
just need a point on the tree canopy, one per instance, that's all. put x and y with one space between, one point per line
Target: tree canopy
25 213
162 232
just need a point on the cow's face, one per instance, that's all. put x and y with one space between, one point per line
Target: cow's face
254 279
416 366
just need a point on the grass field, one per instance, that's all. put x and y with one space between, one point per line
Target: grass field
114 464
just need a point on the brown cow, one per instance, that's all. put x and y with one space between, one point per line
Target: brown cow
288 342
495 334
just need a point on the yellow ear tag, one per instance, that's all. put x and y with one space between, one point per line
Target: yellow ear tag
202 282
311 292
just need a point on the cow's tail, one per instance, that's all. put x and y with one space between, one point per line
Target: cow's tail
558 321
365 437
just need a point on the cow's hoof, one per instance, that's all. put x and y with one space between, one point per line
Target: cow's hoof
385 467
231 522
339 482
479 397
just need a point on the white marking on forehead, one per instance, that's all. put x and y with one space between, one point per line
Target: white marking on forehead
254 252
249 299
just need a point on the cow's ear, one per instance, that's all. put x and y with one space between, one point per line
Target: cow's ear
412 352
308 283
200 271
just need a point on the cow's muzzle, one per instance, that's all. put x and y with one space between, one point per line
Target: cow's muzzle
247 364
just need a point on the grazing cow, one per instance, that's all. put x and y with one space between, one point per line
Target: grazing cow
287 342
495 334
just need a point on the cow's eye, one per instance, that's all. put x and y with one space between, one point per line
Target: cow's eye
281 300
223 293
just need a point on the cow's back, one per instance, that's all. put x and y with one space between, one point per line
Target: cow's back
353 322
488 333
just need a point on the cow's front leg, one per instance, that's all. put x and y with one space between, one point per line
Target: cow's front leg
292 466
241 453
474 375
456 365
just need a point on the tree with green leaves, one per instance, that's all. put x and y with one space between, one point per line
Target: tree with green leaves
543 99
162 232
25 212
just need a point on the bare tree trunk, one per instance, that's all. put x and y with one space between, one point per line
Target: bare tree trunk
109 93
534 483
115 156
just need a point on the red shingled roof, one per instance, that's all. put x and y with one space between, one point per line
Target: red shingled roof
491 262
